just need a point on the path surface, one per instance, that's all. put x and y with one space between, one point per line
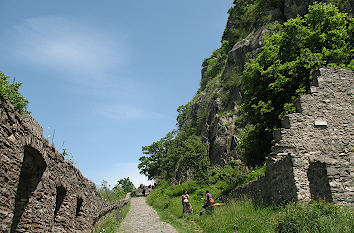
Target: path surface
142 218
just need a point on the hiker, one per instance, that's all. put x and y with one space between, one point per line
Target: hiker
207 201
144 190
185 201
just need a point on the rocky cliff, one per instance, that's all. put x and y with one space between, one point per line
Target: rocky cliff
214 111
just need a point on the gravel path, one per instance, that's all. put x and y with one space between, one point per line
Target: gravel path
143 218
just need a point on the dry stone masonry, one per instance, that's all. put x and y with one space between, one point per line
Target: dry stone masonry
313 154
39 190
312 158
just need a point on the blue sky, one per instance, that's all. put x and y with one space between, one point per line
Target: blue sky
108 76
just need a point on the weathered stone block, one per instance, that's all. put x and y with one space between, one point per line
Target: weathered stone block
31 170
314 157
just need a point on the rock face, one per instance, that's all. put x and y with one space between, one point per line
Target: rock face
292 8
39 190
219 130
313 155
215 127
237 55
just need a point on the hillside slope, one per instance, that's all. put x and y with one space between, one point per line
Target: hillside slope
215 109
266 61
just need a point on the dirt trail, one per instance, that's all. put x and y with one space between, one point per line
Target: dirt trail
142 218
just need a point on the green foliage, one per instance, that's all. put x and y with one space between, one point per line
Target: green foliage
254 144
125 184
283 70
178 156
117 192
351 65
184 115
245 215
69 157
316 217
246 15
219 180
240 216
341 4
215 64
10 92
152 165
111 222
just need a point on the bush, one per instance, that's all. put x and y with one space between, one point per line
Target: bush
10 92
215 63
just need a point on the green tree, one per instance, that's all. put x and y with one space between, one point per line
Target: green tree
10 92
178 155
119 191
151 164
283 70
126 184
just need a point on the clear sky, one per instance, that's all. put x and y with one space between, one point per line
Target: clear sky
108 75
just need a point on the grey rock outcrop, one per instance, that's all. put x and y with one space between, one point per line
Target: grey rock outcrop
217 130
292 8
237 55
215 127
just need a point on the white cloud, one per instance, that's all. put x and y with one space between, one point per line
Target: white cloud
65 45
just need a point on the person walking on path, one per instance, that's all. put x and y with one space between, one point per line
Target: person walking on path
185 201
144 191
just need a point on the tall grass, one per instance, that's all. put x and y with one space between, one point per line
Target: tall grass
240 216
316 217
246 216
112 221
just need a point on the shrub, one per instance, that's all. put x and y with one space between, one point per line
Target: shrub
215 63
10 92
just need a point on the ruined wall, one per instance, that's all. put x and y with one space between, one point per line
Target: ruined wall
313 154
39 190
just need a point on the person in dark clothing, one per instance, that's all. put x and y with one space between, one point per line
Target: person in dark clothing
144 190
208 200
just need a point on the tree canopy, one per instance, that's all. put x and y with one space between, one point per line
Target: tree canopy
126 184
284 68
177 156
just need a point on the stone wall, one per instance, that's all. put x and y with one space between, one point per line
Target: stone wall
313 154
39 190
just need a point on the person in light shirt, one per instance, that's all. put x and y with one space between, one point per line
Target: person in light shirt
185 200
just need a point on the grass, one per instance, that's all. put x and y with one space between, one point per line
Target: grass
240 216
112 221
246 216
111 196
